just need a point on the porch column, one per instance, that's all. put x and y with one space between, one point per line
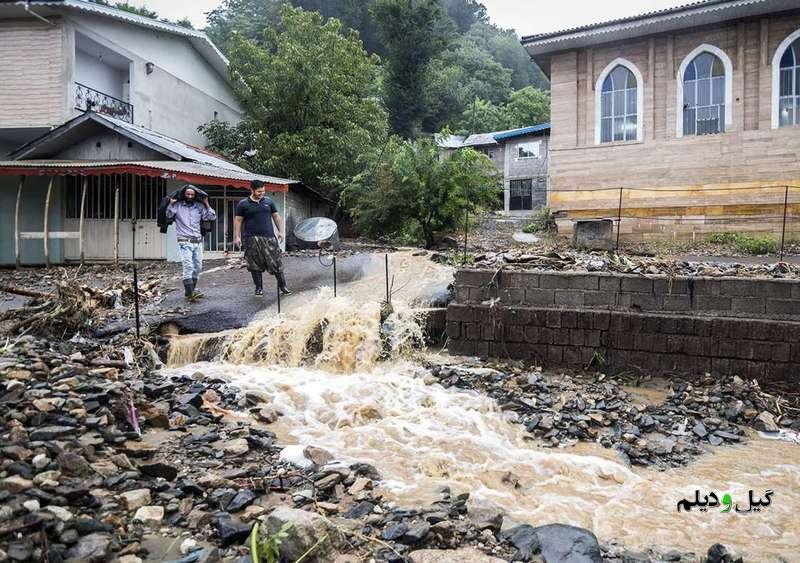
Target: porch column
116 224
16 220
82 217
47 221
225 219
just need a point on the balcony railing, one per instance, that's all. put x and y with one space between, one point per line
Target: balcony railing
89 99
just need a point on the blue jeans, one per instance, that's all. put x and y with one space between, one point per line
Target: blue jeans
191 259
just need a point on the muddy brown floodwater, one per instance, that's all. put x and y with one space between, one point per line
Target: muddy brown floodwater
421 436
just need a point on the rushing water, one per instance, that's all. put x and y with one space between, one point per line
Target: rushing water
320 366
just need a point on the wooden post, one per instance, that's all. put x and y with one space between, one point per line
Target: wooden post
82 217
116 224
47 221
16 220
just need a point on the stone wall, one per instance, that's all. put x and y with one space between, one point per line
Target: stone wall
770 298
618 322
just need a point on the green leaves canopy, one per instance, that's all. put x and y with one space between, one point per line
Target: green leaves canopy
416 192
306 92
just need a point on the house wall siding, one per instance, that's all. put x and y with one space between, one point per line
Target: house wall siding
749 154
32 73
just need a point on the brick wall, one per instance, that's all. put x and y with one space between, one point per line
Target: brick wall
764 349
725 326
769 298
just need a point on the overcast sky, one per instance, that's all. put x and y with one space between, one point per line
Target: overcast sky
525 16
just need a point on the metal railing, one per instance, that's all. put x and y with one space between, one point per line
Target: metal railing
89 99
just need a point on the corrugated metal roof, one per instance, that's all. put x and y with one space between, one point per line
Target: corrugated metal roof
161 168
686 15
199 40
185 150
449 141
522 131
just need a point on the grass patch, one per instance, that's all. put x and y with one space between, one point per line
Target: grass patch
747 244
542 222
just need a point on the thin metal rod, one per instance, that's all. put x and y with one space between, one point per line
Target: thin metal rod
81 229
116 222
388 300
136 300
619 218
47 221
783 230
334 276
466 231
16 220
134 217
279 298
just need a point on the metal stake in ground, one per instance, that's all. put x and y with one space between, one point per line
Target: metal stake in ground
136 300
334 276
783 230
619 218
466 231
279 300
388 298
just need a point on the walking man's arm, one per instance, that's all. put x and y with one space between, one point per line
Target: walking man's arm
237 231
276 217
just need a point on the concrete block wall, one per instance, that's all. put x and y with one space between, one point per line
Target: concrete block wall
768 298
764 349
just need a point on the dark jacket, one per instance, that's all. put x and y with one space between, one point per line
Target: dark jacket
164 222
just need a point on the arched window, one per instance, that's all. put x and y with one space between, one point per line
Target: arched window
704 96
618 113
789 89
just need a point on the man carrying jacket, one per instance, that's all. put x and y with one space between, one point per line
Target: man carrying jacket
253 223
188 213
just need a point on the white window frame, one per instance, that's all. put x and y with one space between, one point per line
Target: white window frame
727 64
537 151
598 94
776 77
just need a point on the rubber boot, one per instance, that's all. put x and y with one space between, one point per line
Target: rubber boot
196 294
282 284
188 286
258 282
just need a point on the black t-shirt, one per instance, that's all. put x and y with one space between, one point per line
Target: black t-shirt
257 216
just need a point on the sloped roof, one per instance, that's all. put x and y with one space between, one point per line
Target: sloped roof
198 39
693 14
485 139
193 172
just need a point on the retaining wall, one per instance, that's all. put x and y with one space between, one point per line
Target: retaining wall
619 322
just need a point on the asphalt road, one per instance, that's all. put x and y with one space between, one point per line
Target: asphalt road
229 300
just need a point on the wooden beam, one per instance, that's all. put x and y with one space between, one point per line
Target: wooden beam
116 224
47 221
83 217
16 220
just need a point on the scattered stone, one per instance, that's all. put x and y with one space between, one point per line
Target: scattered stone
243 498
93 548
15 484
136 499
463 555
306 531
149 515
231 530
160 469
765 422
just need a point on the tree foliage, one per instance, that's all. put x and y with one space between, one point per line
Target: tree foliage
415 193
413 33
529 106
305 89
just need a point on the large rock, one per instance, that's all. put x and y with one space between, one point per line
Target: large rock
556 543
595 234
149 515
136 499
307 529
464 555
91 548
765 422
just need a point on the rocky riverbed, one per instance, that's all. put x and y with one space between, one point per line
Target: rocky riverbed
103 458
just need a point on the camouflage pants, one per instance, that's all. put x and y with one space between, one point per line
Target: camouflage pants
263 255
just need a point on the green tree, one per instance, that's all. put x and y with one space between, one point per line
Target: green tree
529 106
459 76
465 13
416 193
413 33
481 116
504 46
306 95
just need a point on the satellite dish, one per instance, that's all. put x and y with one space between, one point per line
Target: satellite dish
318 232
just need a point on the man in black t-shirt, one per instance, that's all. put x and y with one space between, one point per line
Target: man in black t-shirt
253 225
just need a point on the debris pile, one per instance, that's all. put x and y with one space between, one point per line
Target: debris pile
559 409
579 261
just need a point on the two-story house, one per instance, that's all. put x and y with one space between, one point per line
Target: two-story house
99 117
521 156
688 116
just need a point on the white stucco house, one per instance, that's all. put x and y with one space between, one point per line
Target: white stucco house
146 86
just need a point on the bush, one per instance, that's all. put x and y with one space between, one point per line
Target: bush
542 222
748 244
